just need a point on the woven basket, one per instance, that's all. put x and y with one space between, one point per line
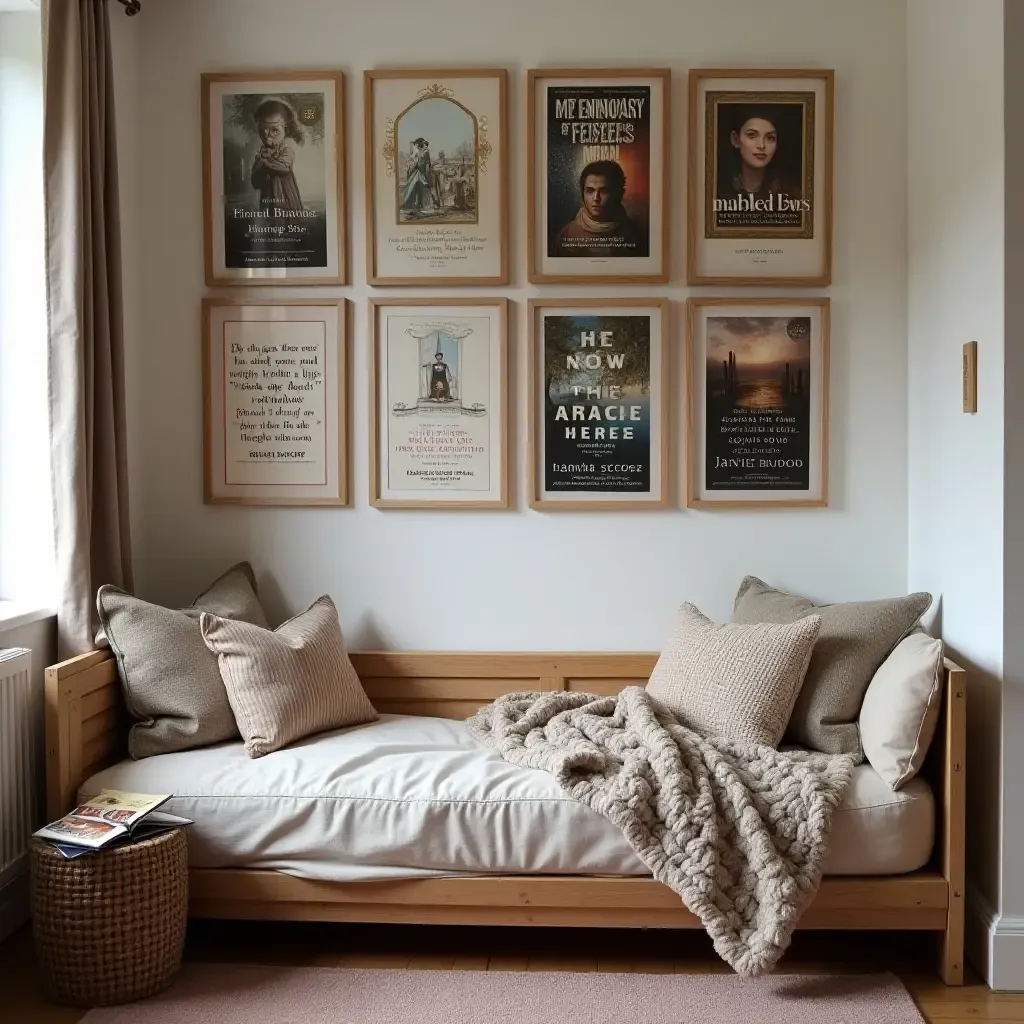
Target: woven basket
109 927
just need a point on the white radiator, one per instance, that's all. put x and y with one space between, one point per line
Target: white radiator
21 732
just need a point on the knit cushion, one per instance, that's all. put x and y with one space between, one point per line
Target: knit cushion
856 637
738 682
290 682
169 679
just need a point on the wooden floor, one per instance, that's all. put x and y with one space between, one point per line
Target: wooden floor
512 949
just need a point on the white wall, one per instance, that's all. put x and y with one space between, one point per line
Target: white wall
26 534
519 579
956 270
1009 959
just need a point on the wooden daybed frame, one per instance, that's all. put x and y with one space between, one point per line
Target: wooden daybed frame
86 730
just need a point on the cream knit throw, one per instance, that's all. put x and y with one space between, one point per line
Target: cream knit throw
738 831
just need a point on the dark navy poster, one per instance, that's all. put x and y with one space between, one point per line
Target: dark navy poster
597 404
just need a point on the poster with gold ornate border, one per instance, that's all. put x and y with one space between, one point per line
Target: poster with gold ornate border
436 176
760 177
274 178
758 402
275 402
598 420
439 403
597 175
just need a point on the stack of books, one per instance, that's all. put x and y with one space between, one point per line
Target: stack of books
110 817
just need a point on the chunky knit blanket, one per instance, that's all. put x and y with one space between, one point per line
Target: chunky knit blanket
738 831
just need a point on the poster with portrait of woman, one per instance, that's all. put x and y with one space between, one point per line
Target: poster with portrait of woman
436 169
758 402
273 179
760 202
438 423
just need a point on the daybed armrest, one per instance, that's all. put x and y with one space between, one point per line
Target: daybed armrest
86 727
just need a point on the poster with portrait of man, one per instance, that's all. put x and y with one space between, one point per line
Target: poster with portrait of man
273 176
598 183
760 183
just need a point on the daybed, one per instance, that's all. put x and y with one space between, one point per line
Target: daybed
471 839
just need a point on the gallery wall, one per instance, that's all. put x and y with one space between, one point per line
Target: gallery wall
516 579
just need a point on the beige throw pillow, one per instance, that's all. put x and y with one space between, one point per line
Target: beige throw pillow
290 682
170 680
856 637
901 709
735 681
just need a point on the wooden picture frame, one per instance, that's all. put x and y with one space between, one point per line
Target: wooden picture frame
418 427
463 190
780 234
806 393
292 248
638 104
324 400
565 488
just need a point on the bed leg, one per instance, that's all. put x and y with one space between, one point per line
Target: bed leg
951 943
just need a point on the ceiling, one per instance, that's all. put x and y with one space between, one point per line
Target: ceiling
19 5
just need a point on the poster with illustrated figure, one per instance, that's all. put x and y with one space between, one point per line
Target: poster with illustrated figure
598 186
758 400
273 178
439 403
598 402
436 156
760 190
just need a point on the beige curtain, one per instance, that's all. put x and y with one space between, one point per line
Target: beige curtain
86 360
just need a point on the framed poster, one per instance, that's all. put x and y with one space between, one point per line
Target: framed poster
439 408
437 177
274 178
598 420
760 185
275 402
757 402
597 177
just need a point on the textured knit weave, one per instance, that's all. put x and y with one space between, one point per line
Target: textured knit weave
735 681
855 638
170 680
288 683
738 831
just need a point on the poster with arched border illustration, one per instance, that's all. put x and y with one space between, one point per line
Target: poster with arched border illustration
436 153
759 190
598 145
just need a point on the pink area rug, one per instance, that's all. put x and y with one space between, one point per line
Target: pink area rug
237 994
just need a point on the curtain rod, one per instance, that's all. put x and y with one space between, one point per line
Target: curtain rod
131 6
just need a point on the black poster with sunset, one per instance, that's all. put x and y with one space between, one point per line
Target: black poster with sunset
758 408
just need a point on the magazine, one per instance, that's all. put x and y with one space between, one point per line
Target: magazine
110 816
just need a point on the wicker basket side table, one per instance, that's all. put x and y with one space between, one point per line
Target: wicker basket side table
109 927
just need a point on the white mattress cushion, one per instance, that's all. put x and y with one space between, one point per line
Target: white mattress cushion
408 796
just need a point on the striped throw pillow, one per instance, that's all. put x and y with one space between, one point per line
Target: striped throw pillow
290 682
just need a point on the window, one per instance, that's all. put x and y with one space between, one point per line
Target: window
26 525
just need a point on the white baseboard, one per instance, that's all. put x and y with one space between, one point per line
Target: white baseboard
14 906
995 944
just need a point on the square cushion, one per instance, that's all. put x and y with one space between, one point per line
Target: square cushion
170 680
290 682
855 638
735 681
901 708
